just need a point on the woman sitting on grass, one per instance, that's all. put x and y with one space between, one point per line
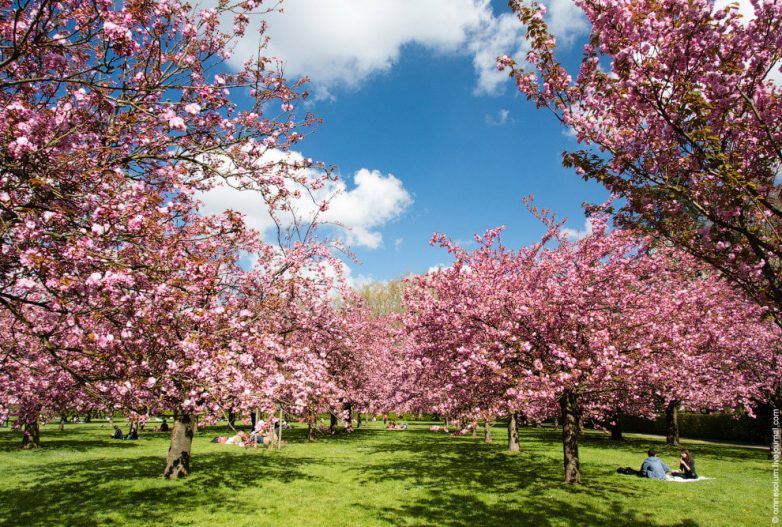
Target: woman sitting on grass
686 466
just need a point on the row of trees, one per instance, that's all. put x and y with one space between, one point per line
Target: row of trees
118 293
610 325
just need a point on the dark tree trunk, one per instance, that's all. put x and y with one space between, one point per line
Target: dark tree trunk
88 418
31 436
178 460
513 433
616 428
333 421
232 419
672 423
349 419
487 432
568 405
279 429
311 426
63 419
358 420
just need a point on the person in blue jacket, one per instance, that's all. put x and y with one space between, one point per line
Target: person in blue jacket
653 467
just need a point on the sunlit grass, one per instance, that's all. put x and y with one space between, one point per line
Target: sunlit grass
372 477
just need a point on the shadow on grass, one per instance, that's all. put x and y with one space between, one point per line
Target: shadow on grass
83 493
76 440
525 489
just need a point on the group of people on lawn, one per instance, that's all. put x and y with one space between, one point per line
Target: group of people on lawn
133 433
655 468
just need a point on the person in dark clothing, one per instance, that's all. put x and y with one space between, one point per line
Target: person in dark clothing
164 426
117 433
686 466
133 433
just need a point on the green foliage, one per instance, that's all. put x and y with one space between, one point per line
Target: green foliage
720 427
372 477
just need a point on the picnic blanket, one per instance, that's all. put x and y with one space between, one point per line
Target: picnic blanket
682 480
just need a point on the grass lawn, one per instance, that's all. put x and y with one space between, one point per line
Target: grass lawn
372 477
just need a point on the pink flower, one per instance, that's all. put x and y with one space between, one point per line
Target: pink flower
177 123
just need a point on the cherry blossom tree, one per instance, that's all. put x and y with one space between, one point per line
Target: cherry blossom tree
579 329
679 114
114 116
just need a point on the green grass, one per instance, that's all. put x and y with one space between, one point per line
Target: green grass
372 477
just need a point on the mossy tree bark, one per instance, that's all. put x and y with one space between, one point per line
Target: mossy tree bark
569 413
178 460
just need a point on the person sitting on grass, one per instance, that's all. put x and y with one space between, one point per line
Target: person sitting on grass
686 466
164 426
652 467
117 433
132 434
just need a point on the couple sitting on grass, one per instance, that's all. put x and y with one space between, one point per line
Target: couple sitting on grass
653 467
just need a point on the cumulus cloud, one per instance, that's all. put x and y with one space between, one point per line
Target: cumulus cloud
341 43
503 35
374 200
566 21
359 211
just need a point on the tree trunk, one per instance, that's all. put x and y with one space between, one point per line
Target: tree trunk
358 420
232 420
333 422
31 436
88 418
672 423
63 418
616 428
311 426
279 434
178 460
487 431
349 419
568 405
513 433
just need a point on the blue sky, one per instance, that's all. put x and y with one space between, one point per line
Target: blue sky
406 89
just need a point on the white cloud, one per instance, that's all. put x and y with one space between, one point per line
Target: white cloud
341 43
566 21
373 201
497 120
503 35
574 234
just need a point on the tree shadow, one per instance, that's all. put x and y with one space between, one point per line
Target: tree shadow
79 493
451 471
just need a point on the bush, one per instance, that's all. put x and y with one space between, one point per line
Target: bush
718 426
